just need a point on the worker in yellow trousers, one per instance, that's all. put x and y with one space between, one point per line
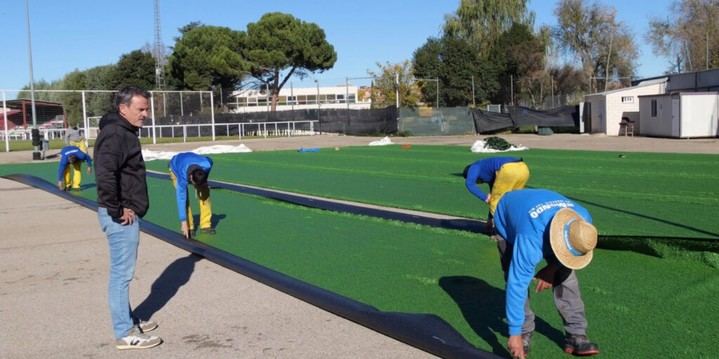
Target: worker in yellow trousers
69 174
191 168
502 174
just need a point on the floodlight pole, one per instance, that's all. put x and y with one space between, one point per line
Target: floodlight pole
36 150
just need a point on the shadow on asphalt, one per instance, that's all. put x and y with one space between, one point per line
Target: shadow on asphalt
166 286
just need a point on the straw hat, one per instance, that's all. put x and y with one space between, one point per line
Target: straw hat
572 239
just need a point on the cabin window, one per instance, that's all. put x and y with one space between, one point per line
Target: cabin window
654 108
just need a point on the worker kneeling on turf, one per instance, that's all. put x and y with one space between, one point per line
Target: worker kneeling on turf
69 173
536 224
190 168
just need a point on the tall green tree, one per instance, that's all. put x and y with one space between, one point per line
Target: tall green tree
98 78
603 44
690 38
279 46
136 68
72 101
522 56
482 22
391 80
205 57
456 65
40 94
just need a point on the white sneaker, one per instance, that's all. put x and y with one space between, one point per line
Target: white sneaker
147 326
137 340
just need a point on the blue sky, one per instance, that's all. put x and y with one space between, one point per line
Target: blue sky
80 34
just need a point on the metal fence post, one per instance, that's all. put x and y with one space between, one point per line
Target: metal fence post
4 115
152 110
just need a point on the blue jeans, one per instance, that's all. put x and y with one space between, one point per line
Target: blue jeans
123 241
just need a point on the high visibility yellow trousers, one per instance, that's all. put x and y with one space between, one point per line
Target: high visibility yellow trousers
203 197
73 175
511 176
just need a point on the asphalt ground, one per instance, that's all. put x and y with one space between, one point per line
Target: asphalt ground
54 264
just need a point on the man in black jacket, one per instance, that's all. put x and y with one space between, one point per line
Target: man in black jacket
122 200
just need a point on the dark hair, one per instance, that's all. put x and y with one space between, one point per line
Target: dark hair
197 175
71 159
125 95
466 169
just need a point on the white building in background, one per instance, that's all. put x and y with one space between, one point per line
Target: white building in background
680 115
603 111
290 98
684 105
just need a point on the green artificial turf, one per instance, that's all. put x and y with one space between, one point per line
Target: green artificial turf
635 194
638 305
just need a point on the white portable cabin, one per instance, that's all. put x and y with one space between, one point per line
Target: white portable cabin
603 111
680 115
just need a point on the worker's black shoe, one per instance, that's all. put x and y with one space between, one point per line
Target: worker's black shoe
527 342
580 345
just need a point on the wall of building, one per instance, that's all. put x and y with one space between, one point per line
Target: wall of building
694 81
659 125
699 115
608 108
596 112
684 115
616 108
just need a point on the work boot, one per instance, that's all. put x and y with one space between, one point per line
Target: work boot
527 342
207 230
579 345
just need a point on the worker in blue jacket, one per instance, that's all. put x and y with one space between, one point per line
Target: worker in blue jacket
502 174
69 173
537 224
191 168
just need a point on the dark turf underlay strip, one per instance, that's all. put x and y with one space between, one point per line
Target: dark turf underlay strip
637 243
424 331
470 225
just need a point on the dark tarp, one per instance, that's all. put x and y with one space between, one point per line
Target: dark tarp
565 116
485 121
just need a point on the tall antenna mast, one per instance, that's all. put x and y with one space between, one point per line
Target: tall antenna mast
158 51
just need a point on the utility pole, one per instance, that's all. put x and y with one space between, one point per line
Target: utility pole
511 89
606 72
551 85
396 89
35 132
474 104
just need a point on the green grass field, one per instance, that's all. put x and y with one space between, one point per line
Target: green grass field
638 305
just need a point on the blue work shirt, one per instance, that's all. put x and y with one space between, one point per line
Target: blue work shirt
485 171
65 154
523 219
179 164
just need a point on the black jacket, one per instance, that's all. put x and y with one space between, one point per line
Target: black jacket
120 168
